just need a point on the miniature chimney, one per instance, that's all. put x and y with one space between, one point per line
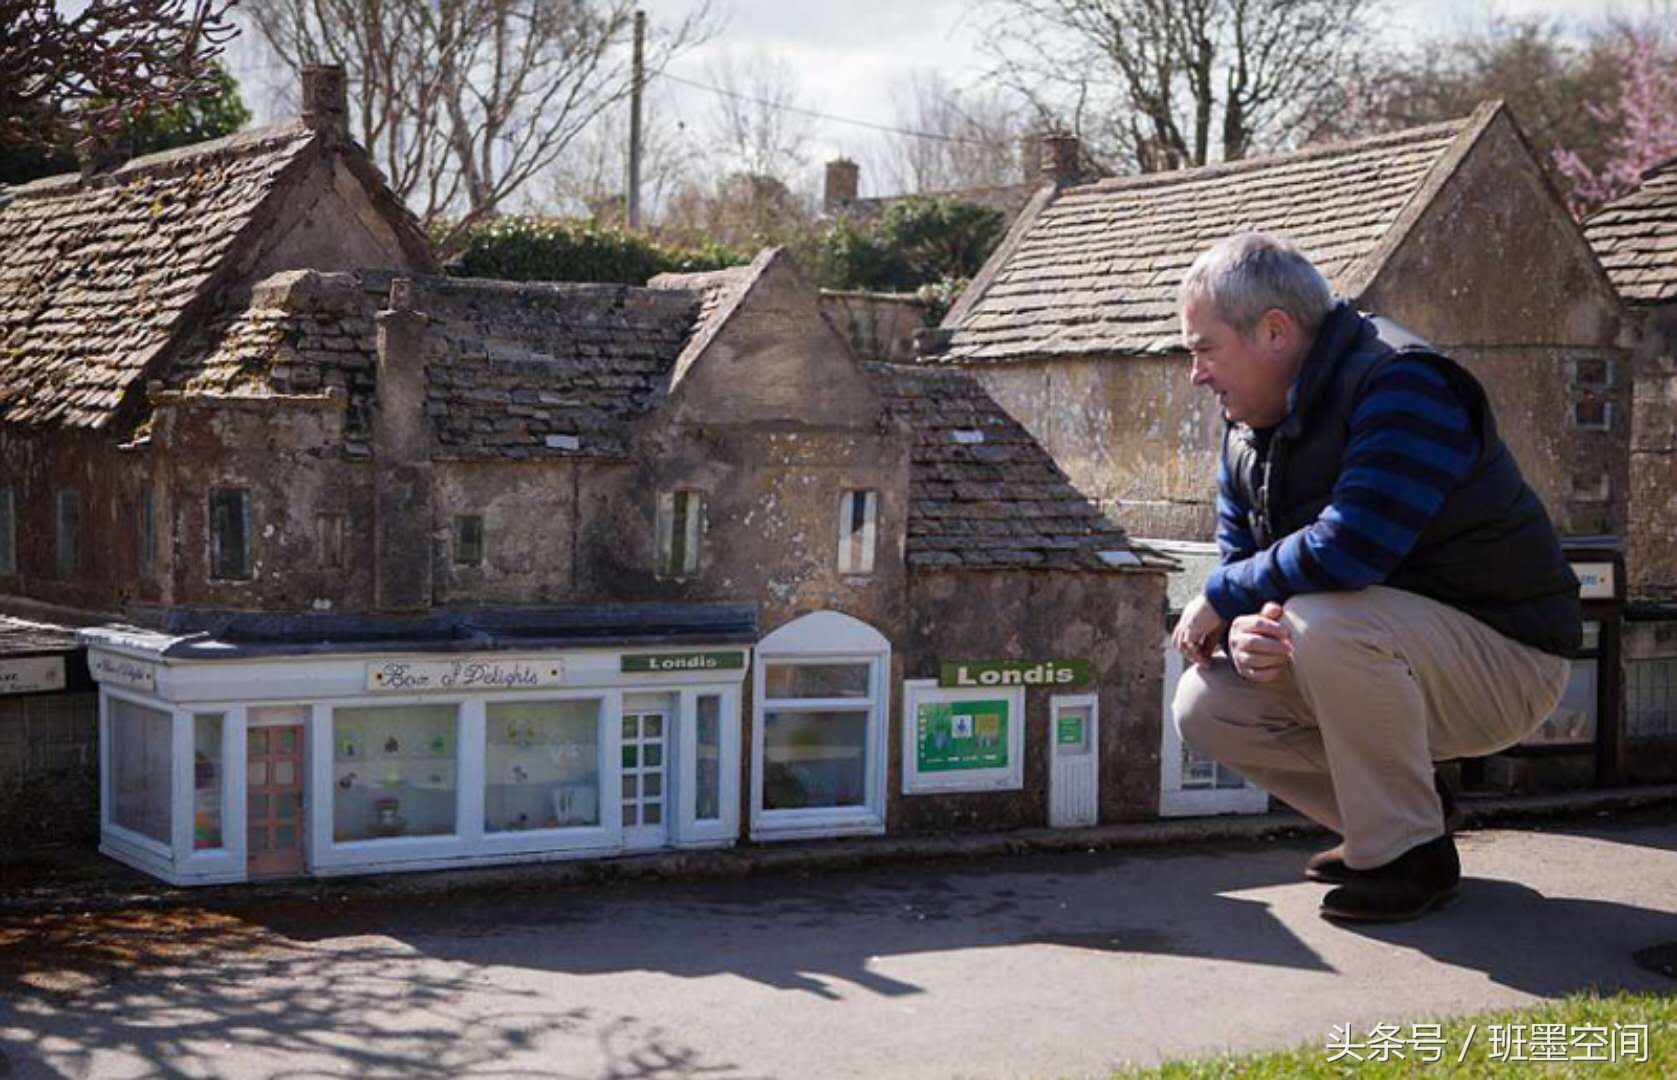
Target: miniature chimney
1061 157
325 98
100 154
402 495
843 179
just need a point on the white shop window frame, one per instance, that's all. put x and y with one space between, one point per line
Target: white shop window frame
178 861
1174 799
824 637
690 831
1010 777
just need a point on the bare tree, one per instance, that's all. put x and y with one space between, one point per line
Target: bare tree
963 140
758 122
464 101
63 75
1162 84
590 178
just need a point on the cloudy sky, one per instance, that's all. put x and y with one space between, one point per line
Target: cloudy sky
850 57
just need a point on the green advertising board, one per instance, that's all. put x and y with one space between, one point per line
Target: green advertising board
954 735
969 674
688 661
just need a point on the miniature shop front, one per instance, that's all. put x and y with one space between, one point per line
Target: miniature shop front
224 760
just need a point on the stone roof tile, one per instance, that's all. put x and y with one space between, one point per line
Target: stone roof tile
1095 271
1635 237
98 273
982 492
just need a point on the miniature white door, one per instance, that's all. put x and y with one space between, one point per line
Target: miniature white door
1073 760
646 742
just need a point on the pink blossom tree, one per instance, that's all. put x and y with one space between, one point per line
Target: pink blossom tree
1644 119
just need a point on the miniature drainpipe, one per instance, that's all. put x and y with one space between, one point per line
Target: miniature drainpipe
402 493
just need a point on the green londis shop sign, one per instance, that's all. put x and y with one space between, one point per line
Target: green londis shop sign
952 735
966 674
687 661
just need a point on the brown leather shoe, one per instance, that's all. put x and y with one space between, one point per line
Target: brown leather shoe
1329 866
1422 878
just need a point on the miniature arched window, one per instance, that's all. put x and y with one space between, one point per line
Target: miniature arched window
821 714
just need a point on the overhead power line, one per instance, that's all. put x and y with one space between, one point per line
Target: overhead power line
781 106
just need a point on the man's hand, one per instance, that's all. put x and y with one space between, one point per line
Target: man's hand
1197 631
1261 645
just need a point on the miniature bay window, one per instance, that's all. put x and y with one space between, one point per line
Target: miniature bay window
858 530
680 526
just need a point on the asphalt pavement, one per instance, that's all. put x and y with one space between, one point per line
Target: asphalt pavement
1043 964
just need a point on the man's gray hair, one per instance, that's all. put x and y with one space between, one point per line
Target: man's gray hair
1249 274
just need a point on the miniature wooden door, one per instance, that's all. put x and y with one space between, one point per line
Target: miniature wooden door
274 783
1073 761
645 776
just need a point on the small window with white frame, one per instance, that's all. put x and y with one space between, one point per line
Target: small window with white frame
680 529
858 531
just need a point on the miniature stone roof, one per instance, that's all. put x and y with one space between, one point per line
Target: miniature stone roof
98 273
513 370
1094 269
983 494
1635 237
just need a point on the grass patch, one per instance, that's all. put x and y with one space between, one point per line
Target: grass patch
1575 1015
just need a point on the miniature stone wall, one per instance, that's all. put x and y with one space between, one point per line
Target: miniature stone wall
49 769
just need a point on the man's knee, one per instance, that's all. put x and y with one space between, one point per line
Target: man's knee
1323 625
1194 710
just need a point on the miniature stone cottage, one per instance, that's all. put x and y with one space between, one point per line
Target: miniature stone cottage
402 571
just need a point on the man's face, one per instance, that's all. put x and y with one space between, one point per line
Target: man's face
1250 374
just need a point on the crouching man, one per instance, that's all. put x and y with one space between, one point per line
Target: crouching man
1390 591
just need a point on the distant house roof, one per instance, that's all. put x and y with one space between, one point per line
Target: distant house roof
1635 238
1094 269
514 370
984 494
98 274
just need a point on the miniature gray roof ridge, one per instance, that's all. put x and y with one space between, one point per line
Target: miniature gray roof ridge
1360 276
240 142
871 294
1265 162
980 284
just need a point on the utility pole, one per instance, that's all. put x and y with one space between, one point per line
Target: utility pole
637 84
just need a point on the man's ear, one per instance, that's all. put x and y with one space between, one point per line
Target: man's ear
1275 328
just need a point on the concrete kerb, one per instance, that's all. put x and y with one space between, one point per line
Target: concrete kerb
82 890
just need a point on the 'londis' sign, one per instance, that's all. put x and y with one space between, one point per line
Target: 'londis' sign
978 673
694 661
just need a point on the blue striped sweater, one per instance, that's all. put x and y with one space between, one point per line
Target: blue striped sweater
1410 442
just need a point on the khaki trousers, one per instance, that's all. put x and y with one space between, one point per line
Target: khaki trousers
1383 683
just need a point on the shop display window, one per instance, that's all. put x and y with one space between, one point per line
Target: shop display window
141 764
541 765
394 771
206 781
814 758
